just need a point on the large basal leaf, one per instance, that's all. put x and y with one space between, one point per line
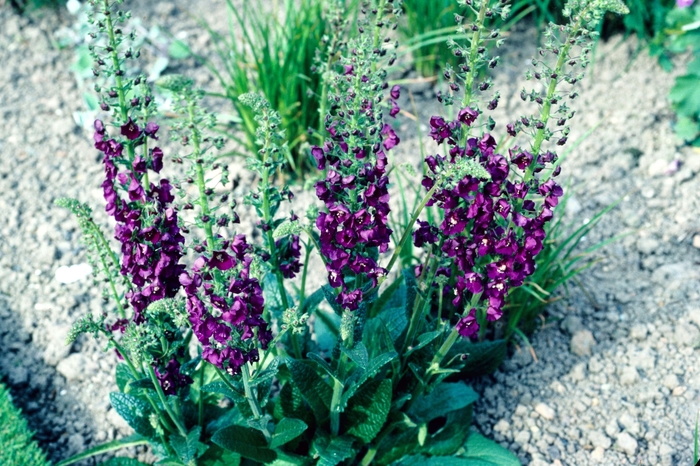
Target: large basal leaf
287 430
482 358
333 452
445 398
114 445
123 376
314 389
134 411
480 451
422 460
393 296
217 456
394 319
186 447
249 443
368 410
312 301
122 462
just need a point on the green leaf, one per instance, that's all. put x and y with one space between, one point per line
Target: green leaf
395 319
134 411
178 50
217 456
288 429
369 410
687 129
444 398
373 367
333 452
222 389
186 447
123 376
422 460
122 462
141 383
393 296
249 443
330 298
685 94
424 339
130 441
358 354
314 389
482 358
312 301
481 451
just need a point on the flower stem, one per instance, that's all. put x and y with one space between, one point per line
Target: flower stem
474 46
252 399
159 390
409 227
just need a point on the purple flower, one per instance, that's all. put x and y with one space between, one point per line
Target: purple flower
395 92
171 379
151 130
289 252
130 130
156 159
467 116
391 140
468 326
684 3
221 260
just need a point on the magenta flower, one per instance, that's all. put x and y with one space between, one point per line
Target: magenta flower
130 130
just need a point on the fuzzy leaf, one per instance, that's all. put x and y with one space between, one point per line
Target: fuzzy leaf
122 462
249 443
222 389
482 358
134 411
186 447
123 376
314 389
217 456
333 452
369 409
444 398
288 429
373 367
312 301
481 451
330 298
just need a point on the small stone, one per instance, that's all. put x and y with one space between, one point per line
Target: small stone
626 443
73 367
599 439
679 391
670 381
598 454
571 324
686 335
638 332
56 348
502 427
582 342
630 423
578 373
696 241
657 167
522 437
76 443
647 245
629 376
18 375
545 411
612 428
694 316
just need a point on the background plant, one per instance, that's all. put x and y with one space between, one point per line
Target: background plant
16 443
681 34
276 54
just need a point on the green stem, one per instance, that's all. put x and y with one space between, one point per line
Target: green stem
252 399
474 46
201 183
409 228
200 410
338 386
547 106
112 286
377 28
159 390
123 108
419 305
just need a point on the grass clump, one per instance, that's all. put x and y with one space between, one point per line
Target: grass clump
16 444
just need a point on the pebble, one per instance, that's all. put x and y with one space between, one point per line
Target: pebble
629 376
545 411
647 245
582 342
696 241
599 439
679 391
56 348
638 332
522 437
73 367
598 454
626 443
670 381
657 168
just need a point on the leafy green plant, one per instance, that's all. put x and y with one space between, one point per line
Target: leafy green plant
681 34
22 6
219 360
425 30
277 59
16 443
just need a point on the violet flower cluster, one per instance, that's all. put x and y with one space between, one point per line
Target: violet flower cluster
227 320
147 223
492 229
355 223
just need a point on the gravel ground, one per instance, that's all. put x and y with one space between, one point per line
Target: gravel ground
614 381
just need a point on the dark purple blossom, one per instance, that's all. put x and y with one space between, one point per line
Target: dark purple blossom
130 130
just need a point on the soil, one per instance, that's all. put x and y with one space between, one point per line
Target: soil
615 378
